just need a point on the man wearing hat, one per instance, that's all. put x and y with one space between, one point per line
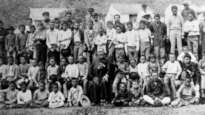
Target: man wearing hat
118 23
97 24
89 16
52 38
46 19
40 51
145 12
187 10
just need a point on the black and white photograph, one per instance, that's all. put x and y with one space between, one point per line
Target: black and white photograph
102 57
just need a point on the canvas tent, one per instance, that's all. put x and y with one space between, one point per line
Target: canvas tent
36 13
125 10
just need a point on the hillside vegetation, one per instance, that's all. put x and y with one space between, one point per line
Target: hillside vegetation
15 11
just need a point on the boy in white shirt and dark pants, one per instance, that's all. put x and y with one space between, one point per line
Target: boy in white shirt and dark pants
65 40
192 28
132 46
174 27
119 41
145 39
173 70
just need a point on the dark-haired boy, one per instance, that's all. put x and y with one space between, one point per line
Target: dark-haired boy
156 94
24 97
10 42
123 97
40 96
21 39
159 30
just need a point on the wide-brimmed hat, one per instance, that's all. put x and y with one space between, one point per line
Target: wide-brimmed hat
85 101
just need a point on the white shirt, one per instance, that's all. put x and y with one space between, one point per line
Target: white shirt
143 69
33 72
144 35
24 97
175 23
77 36
110 34
172 68
72 71
52 37
83 70
56 97
119 40
181 57
192 27
101 42
75 94
132 38
65 38
2 69
52 70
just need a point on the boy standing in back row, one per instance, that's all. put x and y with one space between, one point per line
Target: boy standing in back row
174 27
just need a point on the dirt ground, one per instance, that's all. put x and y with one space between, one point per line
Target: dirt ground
188 110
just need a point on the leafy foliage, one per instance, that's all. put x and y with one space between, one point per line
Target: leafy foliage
14 12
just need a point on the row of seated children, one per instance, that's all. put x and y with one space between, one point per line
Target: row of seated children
130 77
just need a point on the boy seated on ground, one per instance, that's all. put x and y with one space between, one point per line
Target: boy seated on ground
187 94
123 96
156 94
9 96
75 93
24 96
135 88
56 98
40 97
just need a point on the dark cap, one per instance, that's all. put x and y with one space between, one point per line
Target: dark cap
90 9
46 13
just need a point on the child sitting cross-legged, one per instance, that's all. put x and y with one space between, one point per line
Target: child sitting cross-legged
56 98
40 97
9 96
75 93
123 96
24 96
187 94
156 93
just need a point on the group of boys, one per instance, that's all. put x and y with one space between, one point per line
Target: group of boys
62 64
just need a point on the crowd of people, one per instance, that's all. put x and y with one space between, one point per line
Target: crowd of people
58 63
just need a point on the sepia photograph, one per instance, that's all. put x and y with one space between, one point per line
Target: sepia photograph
102 57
